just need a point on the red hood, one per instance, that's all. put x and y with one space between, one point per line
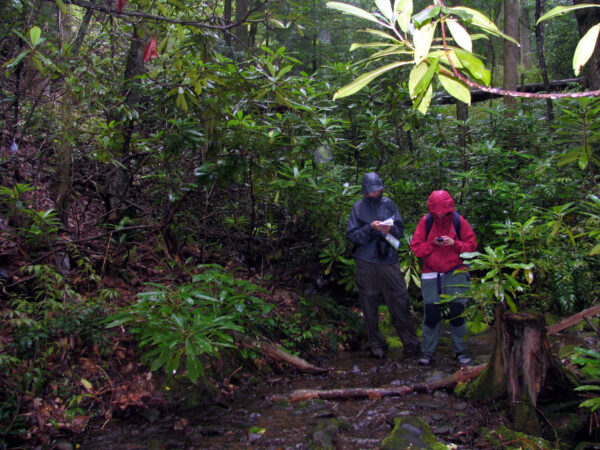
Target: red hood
440 202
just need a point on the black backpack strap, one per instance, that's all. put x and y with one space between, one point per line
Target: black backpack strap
457 224
429 224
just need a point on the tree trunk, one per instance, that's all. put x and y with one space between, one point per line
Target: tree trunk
511 51
587 18
120 179
227 19
540 5
63 180
525 37
241 32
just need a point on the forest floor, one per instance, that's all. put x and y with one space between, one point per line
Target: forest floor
256 416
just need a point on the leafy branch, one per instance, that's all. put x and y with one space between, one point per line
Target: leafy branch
411 38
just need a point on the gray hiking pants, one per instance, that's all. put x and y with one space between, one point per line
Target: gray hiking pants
450 284
387 280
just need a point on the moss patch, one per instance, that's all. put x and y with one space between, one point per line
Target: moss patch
412 433
509 439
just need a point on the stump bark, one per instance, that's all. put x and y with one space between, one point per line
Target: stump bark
520 368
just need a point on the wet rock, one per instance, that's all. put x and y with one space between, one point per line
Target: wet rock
460 406
354 442
431 404
253 437
151 414
322 439
411 432
310 405
441 430
377 422
254 416
355 369
63 445
436 375
209 430
440 394
325 432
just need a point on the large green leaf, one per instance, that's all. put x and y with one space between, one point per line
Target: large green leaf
403 10
416 74
34 34
366 78
63 8
479 20
422 38
424 101
455 88
356 45
560 10
475 66
382 34
583 161
194 367
419 80
585 48
386 9
460 35
446 57
354 11
426 16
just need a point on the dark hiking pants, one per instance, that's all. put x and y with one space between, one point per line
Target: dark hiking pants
385 279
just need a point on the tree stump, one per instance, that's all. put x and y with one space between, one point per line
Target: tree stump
520 368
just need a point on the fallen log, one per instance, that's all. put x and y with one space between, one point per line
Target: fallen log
573 320
464 374
275 352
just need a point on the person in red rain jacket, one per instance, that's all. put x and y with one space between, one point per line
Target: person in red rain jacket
443 272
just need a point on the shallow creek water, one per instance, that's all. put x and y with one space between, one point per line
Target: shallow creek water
252 419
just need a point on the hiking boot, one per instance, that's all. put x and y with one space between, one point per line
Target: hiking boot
377 352
463 359
425 360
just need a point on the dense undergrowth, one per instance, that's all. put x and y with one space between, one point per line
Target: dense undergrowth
152 211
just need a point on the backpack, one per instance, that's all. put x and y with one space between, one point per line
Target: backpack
429 224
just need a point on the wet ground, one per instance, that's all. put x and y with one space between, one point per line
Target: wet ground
253 419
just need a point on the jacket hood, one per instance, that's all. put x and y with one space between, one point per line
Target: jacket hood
371 182
440 202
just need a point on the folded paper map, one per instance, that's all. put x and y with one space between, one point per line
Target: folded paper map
388 237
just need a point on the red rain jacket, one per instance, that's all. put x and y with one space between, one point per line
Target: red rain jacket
438 258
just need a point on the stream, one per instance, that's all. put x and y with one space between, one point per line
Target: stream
252 419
